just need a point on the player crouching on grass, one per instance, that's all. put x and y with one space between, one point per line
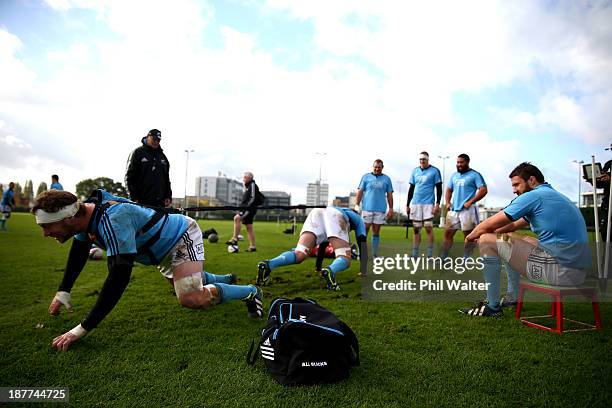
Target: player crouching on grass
129 232
330 224
559 256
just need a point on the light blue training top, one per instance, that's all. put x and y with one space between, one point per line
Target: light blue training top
119 230
558 223
464 187
424 182
7 197
354 220
375 189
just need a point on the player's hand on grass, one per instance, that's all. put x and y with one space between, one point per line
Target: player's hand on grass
61 343
61 298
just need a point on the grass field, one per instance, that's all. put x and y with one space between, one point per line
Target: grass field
150 352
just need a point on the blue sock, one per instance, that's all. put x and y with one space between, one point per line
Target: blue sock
415 250
339 264
491 272
286 258
375 241
513 281
208 278
430 251
444 253
234 292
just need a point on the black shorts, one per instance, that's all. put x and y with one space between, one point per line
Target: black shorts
247 216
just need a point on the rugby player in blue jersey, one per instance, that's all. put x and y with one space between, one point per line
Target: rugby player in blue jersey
559 256
423 203
131 233
465 188
6 205
331 224
376 191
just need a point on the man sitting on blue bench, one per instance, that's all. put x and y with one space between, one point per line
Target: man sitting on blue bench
559 256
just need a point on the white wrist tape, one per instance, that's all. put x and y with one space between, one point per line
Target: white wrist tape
78 331
43 217
357 208
64 298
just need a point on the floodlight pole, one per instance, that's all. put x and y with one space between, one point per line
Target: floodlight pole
603 284
596 212
443 212
321 156
579 163
186 170
399 201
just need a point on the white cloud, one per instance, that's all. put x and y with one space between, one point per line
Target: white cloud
428 50
241 110
17 78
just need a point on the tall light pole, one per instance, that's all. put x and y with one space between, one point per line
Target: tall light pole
186 170
579 163
443 212
399 201
321 156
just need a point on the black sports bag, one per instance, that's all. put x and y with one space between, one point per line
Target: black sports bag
304 343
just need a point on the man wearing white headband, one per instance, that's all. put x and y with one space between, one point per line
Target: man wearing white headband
129 232
422 203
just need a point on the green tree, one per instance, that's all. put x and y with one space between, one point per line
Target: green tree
18 195
42 187
85 187
28 193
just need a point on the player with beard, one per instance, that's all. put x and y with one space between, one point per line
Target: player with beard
559 256
465 188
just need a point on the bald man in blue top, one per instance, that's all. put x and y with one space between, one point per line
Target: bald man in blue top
559 256
375 201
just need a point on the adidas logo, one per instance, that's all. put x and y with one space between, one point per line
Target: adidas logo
144 159
267 342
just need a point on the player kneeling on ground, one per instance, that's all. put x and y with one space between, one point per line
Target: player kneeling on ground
330 224
559 256
129 232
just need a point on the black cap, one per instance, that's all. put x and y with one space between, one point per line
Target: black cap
155 133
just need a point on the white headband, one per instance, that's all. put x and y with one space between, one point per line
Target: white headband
423 156
43 217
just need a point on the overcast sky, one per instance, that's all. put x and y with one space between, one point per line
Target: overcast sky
264 85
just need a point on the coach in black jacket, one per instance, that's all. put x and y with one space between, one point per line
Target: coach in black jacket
251 198
148 173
